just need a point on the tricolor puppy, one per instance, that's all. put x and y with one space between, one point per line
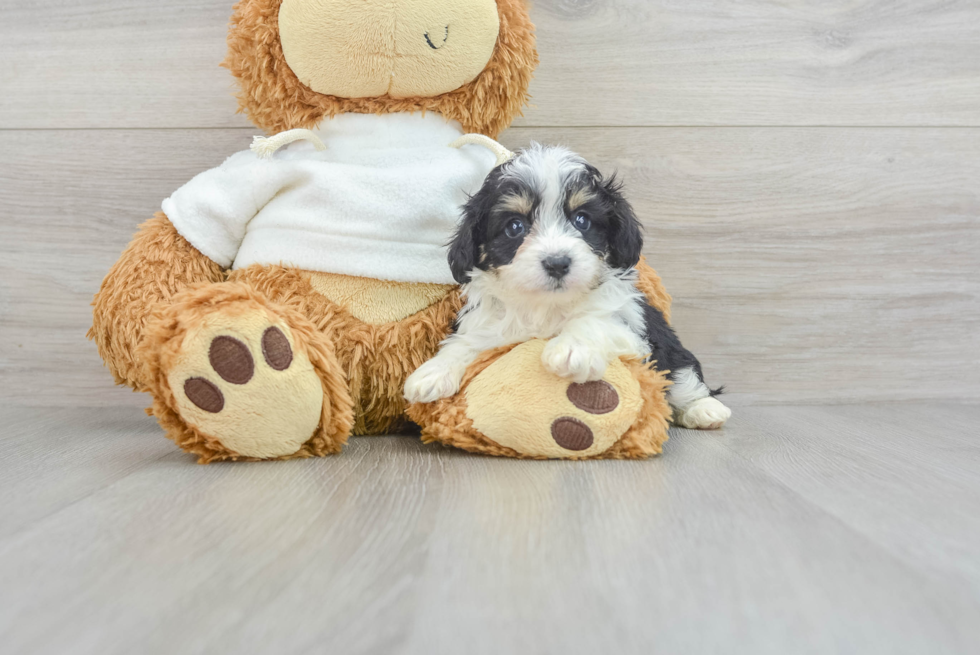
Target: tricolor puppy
547 249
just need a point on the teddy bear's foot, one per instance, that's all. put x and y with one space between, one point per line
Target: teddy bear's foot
239 378
511 405
241 383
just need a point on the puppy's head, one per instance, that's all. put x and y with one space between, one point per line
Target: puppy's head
546 221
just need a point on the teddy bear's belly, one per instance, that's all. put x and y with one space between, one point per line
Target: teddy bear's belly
377 302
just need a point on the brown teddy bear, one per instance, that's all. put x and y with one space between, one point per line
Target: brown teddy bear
278 302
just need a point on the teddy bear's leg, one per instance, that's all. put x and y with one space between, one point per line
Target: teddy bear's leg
510 405
157 265
235 376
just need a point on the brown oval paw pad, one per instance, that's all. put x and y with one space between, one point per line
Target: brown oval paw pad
572 434
204 394
276 350
231 360
594 397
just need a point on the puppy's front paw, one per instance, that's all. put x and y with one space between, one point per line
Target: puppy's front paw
432 381
569 358
703 414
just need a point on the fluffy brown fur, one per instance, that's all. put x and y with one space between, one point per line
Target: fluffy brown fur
275 99
376 359
653 288
445 421
161 346
157 265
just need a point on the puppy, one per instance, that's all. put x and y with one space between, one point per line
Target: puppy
547 249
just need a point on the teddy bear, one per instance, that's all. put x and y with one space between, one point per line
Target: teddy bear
277 303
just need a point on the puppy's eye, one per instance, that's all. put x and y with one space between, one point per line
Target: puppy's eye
515 228
582 222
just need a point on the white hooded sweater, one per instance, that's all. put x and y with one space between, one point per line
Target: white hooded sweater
381 201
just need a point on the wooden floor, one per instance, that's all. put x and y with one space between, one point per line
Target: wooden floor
795 530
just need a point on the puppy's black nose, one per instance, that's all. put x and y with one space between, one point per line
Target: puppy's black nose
557 265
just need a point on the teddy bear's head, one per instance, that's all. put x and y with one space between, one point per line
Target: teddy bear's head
300 61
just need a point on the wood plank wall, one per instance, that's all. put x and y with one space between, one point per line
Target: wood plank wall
808 173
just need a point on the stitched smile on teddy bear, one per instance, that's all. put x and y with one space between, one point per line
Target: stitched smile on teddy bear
375 48
432 38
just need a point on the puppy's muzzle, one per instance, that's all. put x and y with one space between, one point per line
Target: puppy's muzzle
557 266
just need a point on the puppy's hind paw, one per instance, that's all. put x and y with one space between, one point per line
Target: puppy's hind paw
431 382
703 414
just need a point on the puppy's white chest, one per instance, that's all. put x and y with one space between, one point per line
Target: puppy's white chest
526 321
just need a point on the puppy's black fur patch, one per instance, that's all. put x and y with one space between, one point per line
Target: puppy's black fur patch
470 240
666 351
621 236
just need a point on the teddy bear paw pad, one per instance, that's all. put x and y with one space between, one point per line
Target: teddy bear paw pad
240 381
572 434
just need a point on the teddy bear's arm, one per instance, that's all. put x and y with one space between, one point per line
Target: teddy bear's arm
157 264
214 209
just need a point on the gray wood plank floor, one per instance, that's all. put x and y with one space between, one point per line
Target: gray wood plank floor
795 530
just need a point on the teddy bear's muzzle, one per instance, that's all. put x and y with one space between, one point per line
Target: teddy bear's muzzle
376 48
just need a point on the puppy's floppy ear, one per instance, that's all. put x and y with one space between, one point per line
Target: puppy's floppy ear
625 231
462 249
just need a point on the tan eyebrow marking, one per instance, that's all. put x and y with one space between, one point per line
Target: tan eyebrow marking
518 203
581 196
